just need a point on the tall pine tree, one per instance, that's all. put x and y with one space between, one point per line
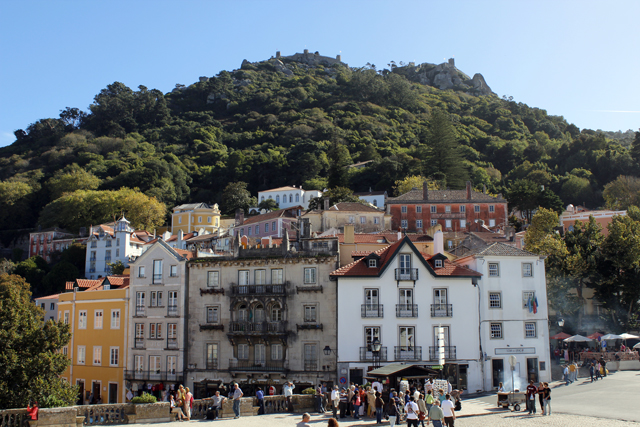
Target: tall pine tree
443 157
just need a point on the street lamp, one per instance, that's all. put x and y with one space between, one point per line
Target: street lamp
560 322
327 351
375 349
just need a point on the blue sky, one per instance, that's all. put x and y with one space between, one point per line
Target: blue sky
578 59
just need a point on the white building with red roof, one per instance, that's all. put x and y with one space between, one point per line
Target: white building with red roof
50 306
289 196
405 294
109 243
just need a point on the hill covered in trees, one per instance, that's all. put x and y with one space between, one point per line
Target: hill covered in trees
287 121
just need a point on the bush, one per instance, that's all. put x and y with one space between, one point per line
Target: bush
309 390
145 398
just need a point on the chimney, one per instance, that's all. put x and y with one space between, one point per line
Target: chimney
468 190
239 216
349 233
285 241
399 235
425 190
326 203
438 242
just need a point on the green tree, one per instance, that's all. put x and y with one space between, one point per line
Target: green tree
236 196
443 155
622 193
55 280
523 196
33 270
116 268
30 356
414 181
70 179
335 195
83 208
339 159
269 205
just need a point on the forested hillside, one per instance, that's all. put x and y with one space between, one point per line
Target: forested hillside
277 123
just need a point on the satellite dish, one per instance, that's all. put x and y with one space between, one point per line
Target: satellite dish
512 361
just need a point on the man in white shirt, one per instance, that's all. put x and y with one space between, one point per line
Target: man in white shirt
288 392
237 395
377 386
335 400
411 409
448 409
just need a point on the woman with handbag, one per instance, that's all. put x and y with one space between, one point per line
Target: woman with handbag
422 407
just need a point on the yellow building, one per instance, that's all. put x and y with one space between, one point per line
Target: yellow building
197 217
365 218
98 352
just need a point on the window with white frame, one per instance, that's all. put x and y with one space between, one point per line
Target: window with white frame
494 269
528 297
82 319
310 357
310 313
274 226
260 277
154 364
376 220
172 364
155 331
352 219
243 351
173 271
403 209
404 223
418 209
373 263
476 208
154 299
419 223
276 312
438 263
141 271
276 352
243 277
81 358
434 209
140 297
277 276
66 317
115 319
363 220
434 222
371 333
212 314
212 355
495 300
447 223
496 331
139 330
138 362
492 208
259 354
463 223
310 275
527 269
463 209
530 330
97 355
97 319
447 209
492 223
172 330
213 278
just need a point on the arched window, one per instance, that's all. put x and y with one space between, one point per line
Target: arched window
242 313
276 313
269 196
297 198
258 313
375 202
290 198
277 199
262 199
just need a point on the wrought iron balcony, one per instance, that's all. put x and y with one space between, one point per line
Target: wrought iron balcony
261 366
367 354
441 310
257 328
407 353
406 310
406 274
372 310
258 290
310 364
449 353
153 375
212 364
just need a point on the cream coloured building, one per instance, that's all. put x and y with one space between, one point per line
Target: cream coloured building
364 218
198 217
262 316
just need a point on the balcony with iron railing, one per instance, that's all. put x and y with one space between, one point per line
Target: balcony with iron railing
254 290
310 364
140 311
441 310
211 364
449 353
407 353
172 343
257 328
141 375
260 366
406 274
367 354
406 310
139 342
372 310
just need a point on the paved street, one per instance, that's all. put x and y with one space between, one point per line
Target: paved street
615 397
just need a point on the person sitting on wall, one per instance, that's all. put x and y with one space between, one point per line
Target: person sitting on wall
33 410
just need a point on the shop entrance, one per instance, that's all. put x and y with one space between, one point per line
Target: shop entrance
113 393
355 376
95 389
80 384
497 368
532 369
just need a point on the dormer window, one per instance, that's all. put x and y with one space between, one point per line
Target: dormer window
373 263
439 263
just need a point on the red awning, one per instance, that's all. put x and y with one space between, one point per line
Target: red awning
560 336
595 335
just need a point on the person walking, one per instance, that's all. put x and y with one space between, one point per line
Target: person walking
531 397
379 404
319 407
565 374
448 409
547 400
422 406
393 409
592 371
436 415
411 409
335 400
188 403
429 400
355 400
371 402
237 395
288 392
260 397
572 372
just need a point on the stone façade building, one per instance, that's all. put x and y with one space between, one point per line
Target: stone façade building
454 210
262 316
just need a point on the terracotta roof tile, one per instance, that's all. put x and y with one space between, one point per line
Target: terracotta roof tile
354 207
185 254
282 213
437 196
364 238
287 188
